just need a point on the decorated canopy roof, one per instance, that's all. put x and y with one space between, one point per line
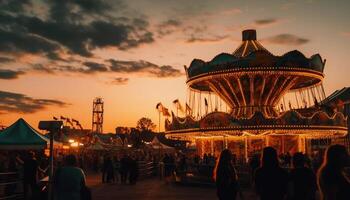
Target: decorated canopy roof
251 54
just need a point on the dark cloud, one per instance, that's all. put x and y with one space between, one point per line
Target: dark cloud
286 39
200 33
265 21
10 74
112 66
144 67
6 60
14 5
76 10
119 81
20 103
181 25
95 67
171 22
169 26
87 68
16 42
191 33
206 39
43 68
79 26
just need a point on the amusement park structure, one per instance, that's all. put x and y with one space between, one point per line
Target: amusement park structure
97 116
254 99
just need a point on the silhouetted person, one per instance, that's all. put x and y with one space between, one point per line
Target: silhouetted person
183 163
196 159
288 159
104 169
225 177
95 163
254 164
166 161
333 183
270 179
124 165
172 164
117 168
205 159
234 159
69 180
30 175
109 170
302 180
134 171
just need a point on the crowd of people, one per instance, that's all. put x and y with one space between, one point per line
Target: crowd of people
273 176
273 182
124 169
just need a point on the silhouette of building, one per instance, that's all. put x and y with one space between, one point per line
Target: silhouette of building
339 100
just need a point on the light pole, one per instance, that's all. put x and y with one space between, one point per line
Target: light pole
53 127
158 121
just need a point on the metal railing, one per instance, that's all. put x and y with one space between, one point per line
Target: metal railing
146 169
11 186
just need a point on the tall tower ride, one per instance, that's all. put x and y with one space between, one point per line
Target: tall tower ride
97 115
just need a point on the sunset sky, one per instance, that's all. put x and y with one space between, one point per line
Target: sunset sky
57 56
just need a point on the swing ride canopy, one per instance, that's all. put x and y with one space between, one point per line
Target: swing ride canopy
252 78
252 81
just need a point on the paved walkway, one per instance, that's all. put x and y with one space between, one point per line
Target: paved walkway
151 189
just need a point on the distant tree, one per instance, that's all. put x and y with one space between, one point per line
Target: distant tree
145 125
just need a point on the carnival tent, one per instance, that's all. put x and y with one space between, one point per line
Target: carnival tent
96 147
20 135
156 144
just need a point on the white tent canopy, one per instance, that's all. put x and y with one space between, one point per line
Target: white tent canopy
156 144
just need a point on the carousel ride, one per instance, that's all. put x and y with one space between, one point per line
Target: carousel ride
260 99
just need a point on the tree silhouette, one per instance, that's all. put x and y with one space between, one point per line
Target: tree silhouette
145 124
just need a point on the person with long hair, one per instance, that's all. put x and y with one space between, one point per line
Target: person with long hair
225 177
332 181
271 181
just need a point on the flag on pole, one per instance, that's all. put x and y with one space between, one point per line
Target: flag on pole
166 112
159 107
55 118
162 109
69 122
178 105
79 125
63 118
